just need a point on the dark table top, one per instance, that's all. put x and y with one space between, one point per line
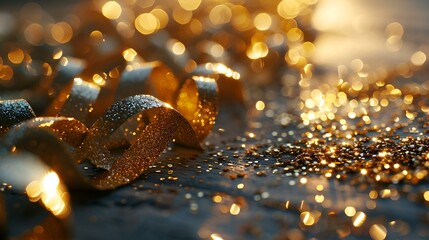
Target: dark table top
250 182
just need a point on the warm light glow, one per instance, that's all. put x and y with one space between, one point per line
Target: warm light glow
382 154
16 56
262 21
178 48
62 32
98 79
97 37
182 16
359 219
202 79
6 72
162 16
350 211
257 50
58 53
50 183
307 218
289 9
333 15
222 69
146 23
190 5
216 236
51 192
129 54
220 14
319 198
378 232
418 58
217 198
394 29
426 196
235 209
260 105
34 34
112 10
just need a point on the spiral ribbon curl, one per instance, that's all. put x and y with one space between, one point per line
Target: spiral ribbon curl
142 124
109 108
117 127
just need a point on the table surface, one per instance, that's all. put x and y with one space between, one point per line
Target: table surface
236 188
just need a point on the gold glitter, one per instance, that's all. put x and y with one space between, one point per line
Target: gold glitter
334 125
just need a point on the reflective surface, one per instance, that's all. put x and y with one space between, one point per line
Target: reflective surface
331 145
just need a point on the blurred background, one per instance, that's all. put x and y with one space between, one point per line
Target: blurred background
345 81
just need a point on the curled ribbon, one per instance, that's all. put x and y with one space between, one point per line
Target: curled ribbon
12 112
62 143
119 114
108 120
75 100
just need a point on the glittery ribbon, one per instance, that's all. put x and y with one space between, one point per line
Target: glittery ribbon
112 126
12 112
141 124
98 105
62 142
75 100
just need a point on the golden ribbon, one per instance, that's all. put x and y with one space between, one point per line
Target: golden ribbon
142 126
111 108
146 126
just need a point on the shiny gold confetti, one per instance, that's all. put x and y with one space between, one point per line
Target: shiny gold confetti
116 82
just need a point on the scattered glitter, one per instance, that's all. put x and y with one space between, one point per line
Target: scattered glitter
361 128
